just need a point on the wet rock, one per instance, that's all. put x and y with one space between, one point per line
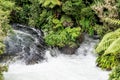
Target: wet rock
95 37
72 49
69 50
26 43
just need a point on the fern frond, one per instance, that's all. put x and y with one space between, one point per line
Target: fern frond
114 47
104 45
112 21
49 3
118 30
107 41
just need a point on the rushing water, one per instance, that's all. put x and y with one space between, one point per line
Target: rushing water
80 66
26 43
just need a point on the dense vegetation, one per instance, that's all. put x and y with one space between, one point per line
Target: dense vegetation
54 17
115 75
63 22
108 50
5 10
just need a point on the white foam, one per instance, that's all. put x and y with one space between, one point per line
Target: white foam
81 66
59 68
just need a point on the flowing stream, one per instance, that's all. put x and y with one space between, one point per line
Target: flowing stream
80 66
26 43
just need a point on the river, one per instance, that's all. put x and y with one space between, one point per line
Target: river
80 66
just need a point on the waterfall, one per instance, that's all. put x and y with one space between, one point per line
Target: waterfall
26 44
80 66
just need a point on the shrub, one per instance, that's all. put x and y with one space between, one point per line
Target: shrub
107 12
108 50
63 37
53 17
5 9
115 75
3 68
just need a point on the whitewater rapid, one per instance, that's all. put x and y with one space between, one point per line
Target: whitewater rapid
80 66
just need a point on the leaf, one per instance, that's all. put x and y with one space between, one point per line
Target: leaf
107 41
46 3
104 45
50 3
56 2
56 21
112 21
114 47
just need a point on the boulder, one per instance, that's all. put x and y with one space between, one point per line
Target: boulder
67 49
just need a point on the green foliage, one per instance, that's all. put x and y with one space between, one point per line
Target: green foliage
114 47
101 29
39 12
115 75
73 7
86 26
109 50
107 40
6 5
61 33
63 37
50 15
3 68
108 13
20 14
112 21
50 3
5 8
2 48
107 61
82 13
4 26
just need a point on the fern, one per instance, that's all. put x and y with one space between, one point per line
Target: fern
115 75
118 30
103 46
50 3
114 47
63 37
107 61
112 21
110 48
107 40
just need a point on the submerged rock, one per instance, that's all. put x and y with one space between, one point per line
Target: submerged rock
69 50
